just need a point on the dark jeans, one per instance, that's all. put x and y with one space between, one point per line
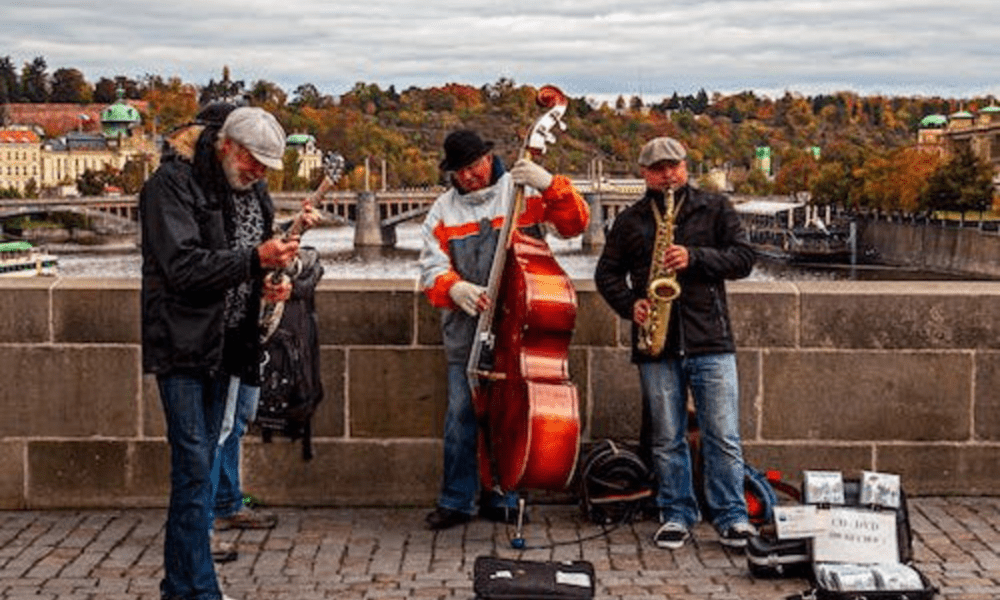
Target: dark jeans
241 405
460 481
193 409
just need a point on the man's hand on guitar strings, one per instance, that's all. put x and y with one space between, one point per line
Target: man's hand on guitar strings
277 292
276 253
310 216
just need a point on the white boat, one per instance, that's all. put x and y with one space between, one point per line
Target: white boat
21 259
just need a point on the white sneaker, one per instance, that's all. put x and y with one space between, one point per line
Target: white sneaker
737 534
671 535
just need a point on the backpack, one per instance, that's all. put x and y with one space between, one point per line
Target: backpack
614 481
291 387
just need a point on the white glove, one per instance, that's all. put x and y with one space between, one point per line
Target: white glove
466 295
526 172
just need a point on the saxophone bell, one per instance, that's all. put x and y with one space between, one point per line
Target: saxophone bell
664 289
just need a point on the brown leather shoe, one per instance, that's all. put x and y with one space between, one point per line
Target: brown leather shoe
445 518
223 552
246 518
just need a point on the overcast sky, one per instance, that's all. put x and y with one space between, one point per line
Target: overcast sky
649 48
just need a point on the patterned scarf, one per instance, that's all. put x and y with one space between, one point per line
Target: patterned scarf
249 230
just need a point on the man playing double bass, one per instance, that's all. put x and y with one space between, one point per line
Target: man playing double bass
460 235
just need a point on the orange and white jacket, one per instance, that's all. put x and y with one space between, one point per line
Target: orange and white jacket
460 234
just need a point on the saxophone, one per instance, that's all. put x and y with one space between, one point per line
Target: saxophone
663 288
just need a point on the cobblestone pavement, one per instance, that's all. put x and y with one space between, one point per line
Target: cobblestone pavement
382 554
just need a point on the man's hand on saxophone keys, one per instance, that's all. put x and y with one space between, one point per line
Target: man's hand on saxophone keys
640 310
676 258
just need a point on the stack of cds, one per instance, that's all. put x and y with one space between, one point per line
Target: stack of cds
843 577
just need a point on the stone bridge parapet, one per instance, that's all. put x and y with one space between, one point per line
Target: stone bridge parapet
899 377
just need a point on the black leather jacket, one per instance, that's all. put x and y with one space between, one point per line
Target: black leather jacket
187 265
719 249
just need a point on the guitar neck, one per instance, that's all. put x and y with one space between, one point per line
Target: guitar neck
298 226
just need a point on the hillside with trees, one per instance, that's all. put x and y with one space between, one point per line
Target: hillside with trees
867 144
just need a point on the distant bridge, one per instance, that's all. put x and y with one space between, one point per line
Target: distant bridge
116 216
374 214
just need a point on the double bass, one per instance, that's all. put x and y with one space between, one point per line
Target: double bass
518 370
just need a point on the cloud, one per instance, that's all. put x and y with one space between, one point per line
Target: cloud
651 48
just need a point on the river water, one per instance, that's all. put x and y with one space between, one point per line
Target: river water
341 261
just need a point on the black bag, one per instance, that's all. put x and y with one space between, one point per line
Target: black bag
768 557
505 579
613 483
291 386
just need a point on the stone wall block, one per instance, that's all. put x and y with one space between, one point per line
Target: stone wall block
866 395
328 420
148 481
346 473
428 323
12 475
748 366
617 411
74 391
792 459
67 474
764 314
154 424
29 323
596 323
900 315
380 313
933 469
97 311
987 400
579 375
397 393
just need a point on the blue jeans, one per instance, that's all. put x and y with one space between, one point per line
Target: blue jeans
461 468
193 409
713 381
241 406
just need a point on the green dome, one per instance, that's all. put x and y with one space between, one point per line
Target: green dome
120 113
962 114
934 121
990 109
300 139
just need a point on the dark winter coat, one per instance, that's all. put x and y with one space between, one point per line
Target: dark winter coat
188 265
708 225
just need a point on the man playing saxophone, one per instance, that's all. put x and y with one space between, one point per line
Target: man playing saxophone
664 268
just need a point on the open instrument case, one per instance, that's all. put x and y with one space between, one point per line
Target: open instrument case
864 553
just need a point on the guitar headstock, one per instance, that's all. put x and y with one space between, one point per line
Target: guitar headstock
550 97
333 166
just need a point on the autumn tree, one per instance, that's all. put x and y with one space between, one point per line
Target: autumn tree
69 85
9 86
308 95
35 81
962 184
171 103
796 173
898 179
267 95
